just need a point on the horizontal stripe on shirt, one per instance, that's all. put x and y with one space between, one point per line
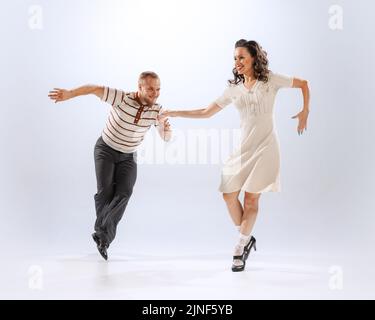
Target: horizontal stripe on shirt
130 143
114 127
127 122
118 143
121 137
125 127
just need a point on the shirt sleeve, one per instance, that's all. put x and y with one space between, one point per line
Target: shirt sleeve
157 124
113 96
225 99
281 81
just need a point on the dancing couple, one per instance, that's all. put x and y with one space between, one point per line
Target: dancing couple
254 168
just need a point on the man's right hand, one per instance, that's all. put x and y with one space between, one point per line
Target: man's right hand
60 95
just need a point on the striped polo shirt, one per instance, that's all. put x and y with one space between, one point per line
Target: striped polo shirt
128 120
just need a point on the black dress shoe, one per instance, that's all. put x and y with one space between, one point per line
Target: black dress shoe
101 246
247 249
96 239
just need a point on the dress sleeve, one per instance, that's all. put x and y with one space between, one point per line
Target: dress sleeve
281 81
226 98
113 96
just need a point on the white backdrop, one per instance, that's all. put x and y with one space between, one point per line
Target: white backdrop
46 166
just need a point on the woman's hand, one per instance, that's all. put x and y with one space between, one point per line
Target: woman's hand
302 120
165 114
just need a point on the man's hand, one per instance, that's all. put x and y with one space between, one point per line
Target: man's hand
60 95
165 124
164 128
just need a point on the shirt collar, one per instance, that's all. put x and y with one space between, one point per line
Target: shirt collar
145 106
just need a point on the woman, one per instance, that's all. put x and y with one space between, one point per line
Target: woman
254 168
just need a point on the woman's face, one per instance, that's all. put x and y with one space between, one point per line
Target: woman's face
243 61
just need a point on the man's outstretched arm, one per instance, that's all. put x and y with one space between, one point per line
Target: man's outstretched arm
58 94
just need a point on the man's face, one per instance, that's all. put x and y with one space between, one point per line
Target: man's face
149 90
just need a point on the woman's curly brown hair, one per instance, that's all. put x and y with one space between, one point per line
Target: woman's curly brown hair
260 66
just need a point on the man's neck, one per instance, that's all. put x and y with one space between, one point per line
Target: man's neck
140 99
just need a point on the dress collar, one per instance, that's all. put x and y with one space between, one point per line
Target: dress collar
252 89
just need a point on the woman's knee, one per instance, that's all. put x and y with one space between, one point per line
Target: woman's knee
251 201
230 197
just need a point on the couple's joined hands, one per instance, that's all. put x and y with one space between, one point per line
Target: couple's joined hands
163 119
165 114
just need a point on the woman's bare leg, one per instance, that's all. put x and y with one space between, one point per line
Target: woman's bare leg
249 216
250 212
234 207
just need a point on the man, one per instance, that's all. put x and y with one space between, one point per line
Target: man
131 116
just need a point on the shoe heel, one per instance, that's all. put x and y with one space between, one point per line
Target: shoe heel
255 246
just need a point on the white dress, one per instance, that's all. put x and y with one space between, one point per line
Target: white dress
255 166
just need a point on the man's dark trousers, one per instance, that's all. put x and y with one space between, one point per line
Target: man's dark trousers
116 173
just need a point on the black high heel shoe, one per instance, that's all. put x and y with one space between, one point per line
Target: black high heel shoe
241 267
247 249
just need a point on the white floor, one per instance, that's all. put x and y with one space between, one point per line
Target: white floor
267 276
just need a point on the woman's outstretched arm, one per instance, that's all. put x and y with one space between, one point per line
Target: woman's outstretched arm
208 112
